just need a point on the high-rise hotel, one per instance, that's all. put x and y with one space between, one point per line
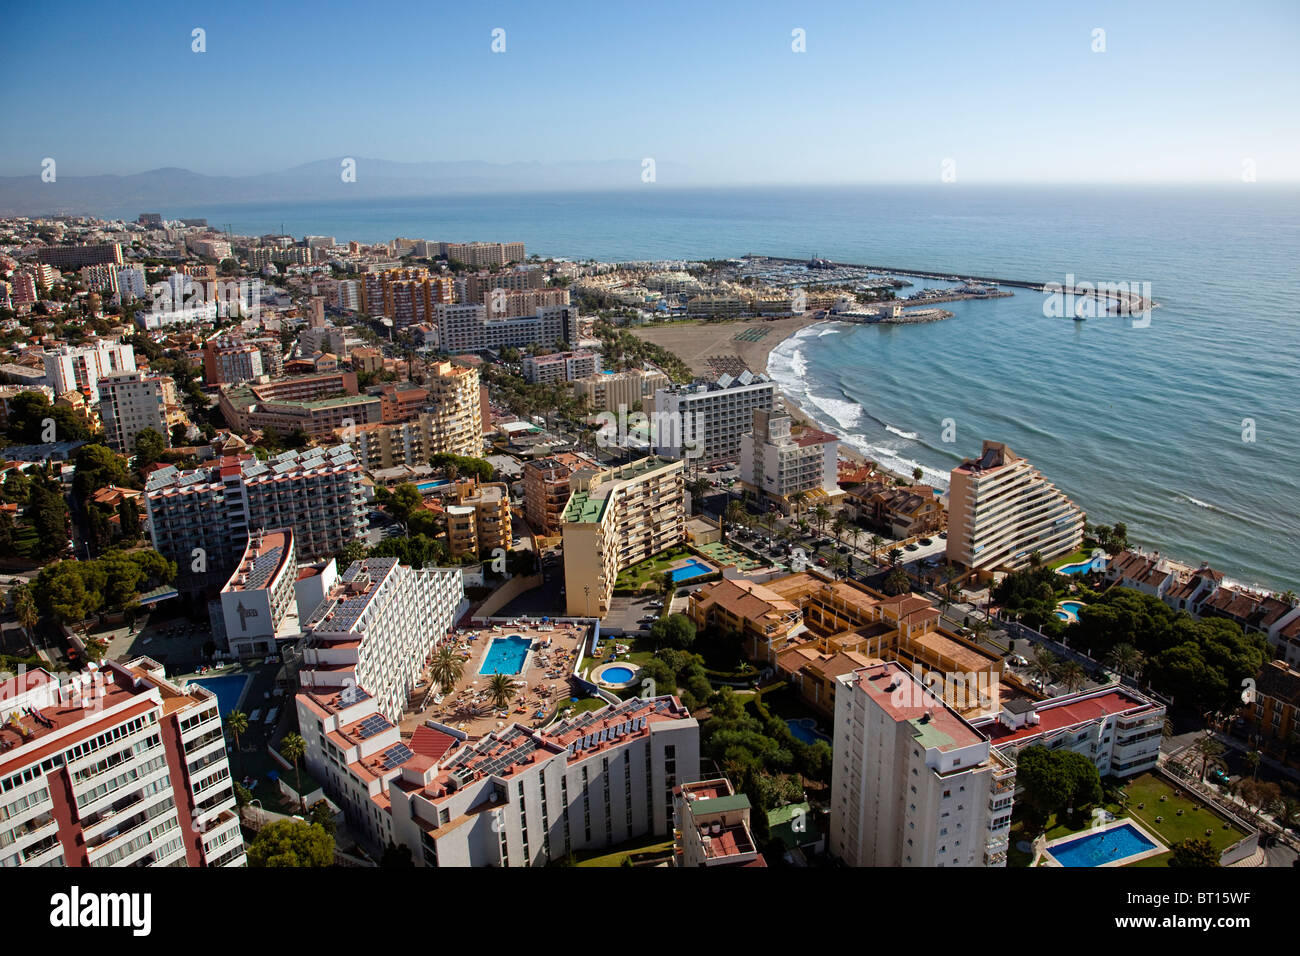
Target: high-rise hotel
1001 510
615 518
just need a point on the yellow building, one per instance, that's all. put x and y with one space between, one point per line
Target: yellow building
615 518
479 522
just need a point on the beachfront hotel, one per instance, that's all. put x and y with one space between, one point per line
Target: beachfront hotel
616 517
521 797
115 766
1001 510
202 518
375 629
711 418
914 783
778 460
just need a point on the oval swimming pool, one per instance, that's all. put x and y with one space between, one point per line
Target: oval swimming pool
617 675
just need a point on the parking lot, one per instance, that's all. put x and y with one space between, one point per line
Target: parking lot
629 614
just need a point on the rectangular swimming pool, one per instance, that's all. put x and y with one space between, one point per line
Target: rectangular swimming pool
691 569
506 655
1111 845
228 690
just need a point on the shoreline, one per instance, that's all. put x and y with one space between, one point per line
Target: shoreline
850 453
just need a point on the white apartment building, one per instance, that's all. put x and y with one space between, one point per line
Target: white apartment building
712 826
1001 510
522 797
130 402
115 766
202 519
259 603
468 328
131 283
707 420
560 367
777 461
913 783
1117 728
376 629
80 367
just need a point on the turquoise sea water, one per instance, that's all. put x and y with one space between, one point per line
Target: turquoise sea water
1141 425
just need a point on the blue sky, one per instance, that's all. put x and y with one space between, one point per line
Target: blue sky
1011 92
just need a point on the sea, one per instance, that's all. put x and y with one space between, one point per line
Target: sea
1184 425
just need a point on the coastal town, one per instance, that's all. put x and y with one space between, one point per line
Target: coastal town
440 553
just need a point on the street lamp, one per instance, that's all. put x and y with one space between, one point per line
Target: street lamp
586 590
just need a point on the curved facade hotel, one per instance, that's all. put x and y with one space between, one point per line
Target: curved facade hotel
1001 510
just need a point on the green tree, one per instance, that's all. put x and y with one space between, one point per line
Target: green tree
149 449
293 748
397 856
322 816
25 608
1194 853
501 689
237 724
447 667
291 843
675 631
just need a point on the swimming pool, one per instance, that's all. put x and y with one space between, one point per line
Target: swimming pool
1069 610
1082 567
506 655
691 569
805 728
1101 847
426 486
617 675
228 690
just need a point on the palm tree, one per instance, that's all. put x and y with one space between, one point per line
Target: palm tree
836 563
698 487
1035 559
1253 758
838 526
1125 659
237 723
894 555
854 534
446 668
797 499
821 513
735 514
293 748
25 608
1208 749
1044 665
916 474
501 689
1070 674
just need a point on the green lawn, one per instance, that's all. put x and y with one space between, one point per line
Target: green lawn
649 845
1081 555
651 569
1144 805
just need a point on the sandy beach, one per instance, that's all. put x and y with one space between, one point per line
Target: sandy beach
696 342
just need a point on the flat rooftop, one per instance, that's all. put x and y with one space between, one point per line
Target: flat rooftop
1069 713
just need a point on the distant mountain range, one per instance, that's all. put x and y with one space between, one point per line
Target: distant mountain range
161 190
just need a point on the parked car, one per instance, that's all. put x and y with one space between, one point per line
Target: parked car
927 541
